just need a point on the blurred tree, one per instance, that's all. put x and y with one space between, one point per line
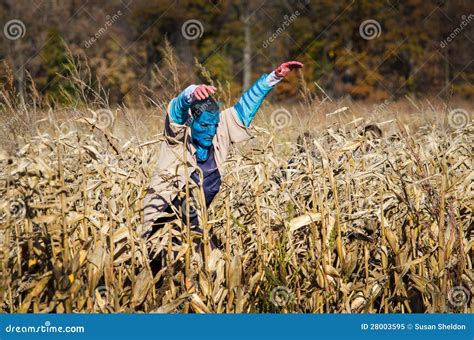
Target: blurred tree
237 40
57 68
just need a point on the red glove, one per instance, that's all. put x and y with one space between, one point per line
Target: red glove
285 68
203 91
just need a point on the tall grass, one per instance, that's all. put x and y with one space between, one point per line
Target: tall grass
345 220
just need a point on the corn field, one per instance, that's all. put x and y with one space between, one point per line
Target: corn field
343 219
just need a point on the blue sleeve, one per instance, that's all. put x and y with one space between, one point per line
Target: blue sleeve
250 101
179 108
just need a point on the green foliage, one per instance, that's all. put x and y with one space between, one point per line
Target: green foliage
57 64
405 56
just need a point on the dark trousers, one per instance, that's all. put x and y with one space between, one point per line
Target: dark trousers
158 260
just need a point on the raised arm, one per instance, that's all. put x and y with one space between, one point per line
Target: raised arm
180 105
250 101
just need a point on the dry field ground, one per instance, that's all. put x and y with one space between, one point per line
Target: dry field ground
346 219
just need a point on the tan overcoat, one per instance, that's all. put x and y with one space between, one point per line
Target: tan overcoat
176 163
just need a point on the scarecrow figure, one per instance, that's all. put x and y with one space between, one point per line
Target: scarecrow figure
198 138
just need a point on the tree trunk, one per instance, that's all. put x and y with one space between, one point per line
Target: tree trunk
247 60
19 74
